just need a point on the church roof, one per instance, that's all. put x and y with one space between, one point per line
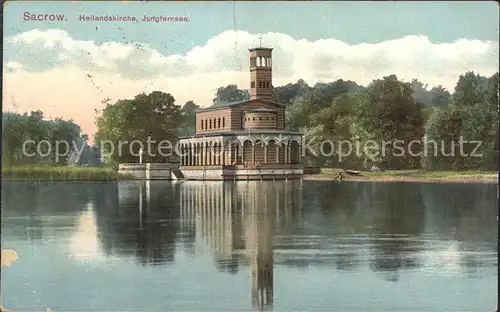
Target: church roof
260 49
231 104
262 109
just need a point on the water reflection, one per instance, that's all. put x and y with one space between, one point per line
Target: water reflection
238 223
84 241
397 229
384 233
141 223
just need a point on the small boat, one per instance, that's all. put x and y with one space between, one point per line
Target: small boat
352 172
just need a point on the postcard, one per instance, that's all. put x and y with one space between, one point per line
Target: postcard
249 156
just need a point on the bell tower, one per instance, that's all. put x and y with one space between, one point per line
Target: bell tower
261 75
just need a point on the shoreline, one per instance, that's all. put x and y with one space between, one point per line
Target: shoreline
417 176
329 177
39 173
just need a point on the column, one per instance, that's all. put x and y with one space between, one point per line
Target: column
193 154
190 154
286 152
232 153
265 154
223 160
217 154
210 156
240 153
299 153
220 156
184 149
253 153
236 154
211 151
181 156
198 154
206 154
289 152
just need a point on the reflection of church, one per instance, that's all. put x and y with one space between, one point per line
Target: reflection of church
241 218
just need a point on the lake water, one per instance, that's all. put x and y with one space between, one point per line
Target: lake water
283 246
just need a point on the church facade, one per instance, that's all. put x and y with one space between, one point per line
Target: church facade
244 140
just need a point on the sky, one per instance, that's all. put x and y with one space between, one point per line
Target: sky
67 67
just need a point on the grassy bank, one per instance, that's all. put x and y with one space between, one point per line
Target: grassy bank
59 173
411 176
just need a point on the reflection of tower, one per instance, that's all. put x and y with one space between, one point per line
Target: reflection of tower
217 212
260 225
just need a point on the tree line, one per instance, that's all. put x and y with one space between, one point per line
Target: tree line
387 109
390 110
32 139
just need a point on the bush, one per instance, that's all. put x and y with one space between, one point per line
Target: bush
59 173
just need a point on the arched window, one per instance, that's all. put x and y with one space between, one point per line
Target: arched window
210 124
218 123
223 122
260 84
201 124
206 124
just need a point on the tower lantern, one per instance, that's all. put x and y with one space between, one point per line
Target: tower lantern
261 76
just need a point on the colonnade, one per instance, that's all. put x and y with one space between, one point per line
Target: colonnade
215 153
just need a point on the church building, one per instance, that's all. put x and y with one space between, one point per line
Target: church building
244 140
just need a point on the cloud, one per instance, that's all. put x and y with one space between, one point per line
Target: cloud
66 77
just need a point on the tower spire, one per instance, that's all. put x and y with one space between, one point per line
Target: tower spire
260 41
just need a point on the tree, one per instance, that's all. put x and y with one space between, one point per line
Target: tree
147 118
472 117
287 94
470 89
420 92
341 123
440 96
20 129
442 132
399 118
230 93
297 114
188 116
480 124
